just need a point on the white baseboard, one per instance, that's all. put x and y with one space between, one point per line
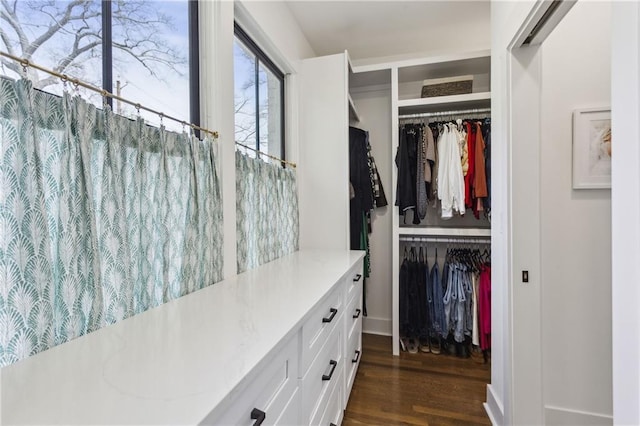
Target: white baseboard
567 417
380 326
494 408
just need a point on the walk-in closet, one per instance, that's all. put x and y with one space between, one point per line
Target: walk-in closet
407 132
427 277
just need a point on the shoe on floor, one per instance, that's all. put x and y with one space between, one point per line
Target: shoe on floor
424 345
436 347
412 346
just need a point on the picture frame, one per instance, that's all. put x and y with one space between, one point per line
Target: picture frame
592 148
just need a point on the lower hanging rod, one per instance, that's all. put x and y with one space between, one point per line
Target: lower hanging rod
446 113
464 240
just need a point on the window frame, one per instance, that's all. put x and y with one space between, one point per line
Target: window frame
194 55
268 63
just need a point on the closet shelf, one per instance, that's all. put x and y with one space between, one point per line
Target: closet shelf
353 113
445 232
442 103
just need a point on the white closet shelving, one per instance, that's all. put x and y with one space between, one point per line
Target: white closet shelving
442 103
406 83
353 112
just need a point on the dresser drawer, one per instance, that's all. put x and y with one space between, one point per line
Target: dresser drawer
325 372
272 390
352 361
354 281
353 339
321 322
332 414
353 314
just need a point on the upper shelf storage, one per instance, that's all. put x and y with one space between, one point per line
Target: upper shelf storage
353 112
411 76
441 103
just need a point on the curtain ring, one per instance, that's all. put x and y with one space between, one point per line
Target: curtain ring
64 79
104 98
76 88
161 115
138 110
25 65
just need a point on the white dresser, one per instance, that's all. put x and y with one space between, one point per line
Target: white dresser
279 344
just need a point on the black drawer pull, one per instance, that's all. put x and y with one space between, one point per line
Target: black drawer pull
357 315
357 278
258 416
333 313
333 368
332 424
357 358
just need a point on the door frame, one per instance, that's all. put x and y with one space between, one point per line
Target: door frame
518 377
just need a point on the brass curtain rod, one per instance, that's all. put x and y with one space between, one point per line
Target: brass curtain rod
293 165
64 77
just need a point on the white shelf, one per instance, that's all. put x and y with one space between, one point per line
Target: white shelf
444 232
353 113
445 103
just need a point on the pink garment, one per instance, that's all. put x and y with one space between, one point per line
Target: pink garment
484 307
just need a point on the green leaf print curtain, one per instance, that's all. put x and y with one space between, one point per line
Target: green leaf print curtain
266 211
101 218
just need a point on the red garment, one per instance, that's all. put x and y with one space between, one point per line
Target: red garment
480 177
469 178
484 307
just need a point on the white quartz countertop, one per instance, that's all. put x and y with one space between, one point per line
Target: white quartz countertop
172 364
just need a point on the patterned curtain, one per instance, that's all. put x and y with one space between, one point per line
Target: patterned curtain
266 211
101 218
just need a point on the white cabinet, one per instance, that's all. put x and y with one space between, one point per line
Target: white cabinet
309 377
264 347
269 396
353 330
320 324
323 172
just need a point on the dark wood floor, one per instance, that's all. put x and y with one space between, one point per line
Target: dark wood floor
416 389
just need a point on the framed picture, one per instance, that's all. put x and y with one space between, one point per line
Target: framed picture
592 148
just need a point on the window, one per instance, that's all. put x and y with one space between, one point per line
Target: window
142 50
259 97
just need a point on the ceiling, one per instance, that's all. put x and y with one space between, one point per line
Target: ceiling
369 29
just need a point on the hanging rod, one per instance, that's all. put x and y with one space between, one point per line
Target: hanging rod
446 113
464 240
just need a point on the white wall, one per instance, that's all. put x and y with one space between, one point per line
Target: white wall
279 31
576 226
374 108
274 29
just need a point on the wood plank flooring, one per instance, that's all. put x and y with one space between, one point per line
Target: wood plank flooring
416 389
